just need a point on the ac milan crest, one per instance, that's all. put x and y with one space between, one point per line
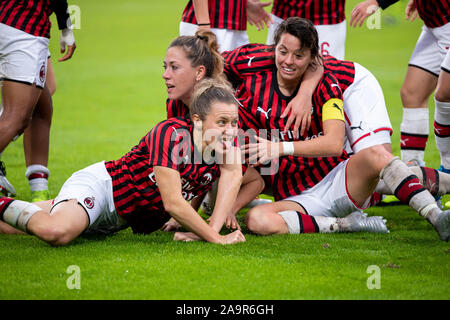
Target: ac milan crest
89 202
42 73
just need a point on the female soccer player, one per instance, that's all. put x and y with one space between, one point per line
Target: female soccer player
351 184
24 37
172 164
227 19
188 60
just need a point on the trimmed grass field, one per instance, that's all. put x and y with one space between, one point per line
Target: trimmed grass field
111 93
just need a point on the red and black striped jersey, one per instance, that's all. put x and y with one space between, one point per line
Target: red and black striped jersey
320 12
343 70
32 16
434 13
176 108
262 105
169 144
252 58
223 14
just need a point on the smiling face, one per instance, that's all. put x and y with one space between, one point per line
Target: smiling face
291 60
179 75
220 126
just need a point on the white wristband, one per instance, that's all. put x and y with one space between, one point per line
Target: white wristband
288 148
67 38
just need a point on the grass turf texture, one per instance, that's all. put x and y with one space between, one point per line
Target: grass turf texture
111 93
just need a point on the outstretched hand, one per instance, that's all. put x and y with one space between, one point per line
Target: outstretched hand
257 16
362 11
67 40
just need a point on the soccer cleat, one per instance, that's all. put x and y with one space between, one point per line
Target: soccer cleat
360 222
442 225
6 187
41 195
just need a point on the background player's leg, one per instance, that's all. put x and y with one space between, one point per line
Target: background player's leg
417 88
442 119
18 101
36 147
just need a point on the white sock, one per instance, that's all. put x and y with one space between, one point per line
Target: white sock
442 123
414 131
325 224
37 176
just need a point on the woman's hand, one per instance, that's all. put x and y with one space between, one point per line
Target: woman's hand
411 11
300 114
362 11
171 225
263 151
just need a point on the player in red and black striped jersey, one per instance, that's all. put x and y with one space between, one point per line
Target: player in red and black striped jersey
24 33
176 161
188 60
327 15
350 185
423 68
264 100
169 144
32 16
227 19
319 12
228 14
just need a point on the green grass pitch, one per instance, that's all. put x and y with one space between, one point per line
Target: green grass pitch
111 93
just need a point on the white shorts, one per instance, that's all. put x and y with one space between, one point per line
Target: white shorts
431 48
367 120
446 63
331 37
329 197
92 188
227 39
23 57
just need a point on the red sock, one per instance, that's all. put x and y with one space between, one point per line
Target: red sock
408 188
307 223
431 180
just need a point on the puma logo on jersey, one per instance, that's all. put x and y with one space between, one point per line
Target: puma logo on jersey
357 127
250 60
266 113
